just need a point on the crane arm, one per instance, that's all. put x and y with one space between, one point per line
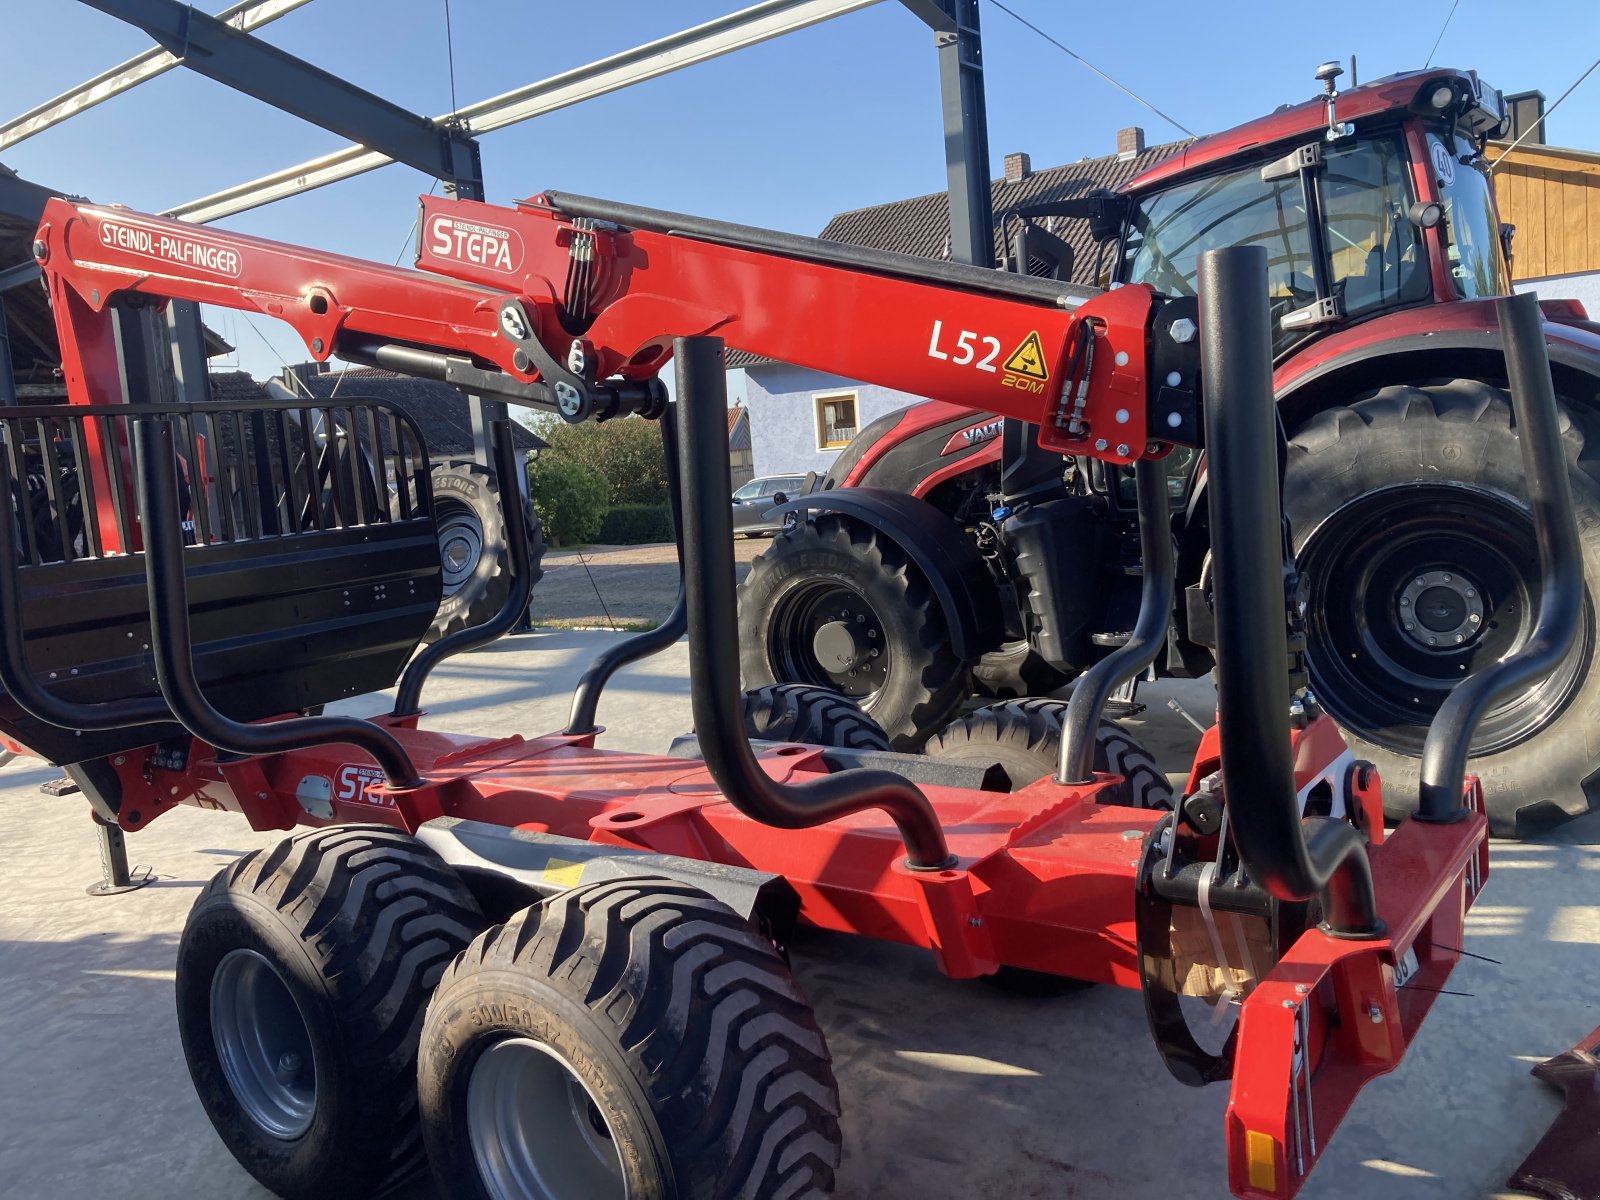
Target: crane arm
547 305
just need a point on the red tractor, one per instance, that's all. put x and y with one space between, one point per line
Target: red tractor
561 970
1401 483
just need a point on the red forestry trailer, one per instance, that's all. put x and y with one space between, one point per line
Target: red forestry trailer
561 970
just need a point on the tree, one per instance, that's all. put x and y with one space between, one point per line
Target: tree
625 453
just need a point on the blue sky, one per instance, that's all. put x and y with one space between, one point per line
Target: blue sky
840 116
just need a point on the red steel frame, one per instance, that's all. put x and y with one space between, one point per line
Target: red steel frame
1044 879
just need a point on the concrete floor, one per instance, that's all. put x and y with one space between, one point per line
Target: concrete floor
950 1089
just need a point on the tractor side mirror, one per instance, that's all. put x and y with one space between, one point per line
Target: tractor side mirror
1508 233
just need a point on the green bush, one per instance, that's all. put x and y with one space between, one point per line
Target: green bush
570 500
636 524
626 453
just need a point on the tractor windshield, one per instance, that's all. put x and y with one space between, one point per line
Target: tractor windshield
1373 253
1472 231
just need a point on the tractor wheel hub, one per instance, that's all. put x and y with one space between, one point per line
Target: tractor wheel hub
840 645
1441 609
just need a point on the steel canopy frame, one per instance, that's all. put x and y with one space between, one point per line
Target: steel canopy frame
247 15
247 64
701 43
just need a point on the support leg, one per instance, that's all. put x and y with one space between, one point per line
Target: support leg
115 878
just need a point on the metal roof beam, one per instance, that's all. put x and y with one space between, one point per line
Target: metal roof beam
218 51
20 199
250 14
750 26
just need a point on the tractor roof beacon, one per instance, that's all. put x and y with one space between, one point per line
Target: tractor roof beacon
622 914
1385 255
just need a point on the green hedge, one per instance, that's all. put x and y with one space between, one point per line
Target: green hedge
569 500
635 524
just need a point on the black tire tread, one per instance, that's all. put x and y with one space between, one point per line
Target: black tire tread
799 712
1338 433
715 993
382 916
1035 726
487 603
940 684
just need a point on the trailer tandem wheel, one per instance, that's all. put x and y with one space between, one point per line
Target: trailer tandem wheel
632 1039
798 712
302 975
1024 737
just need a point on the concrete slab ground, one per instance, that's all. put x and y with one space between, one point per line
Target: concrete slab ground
950 1090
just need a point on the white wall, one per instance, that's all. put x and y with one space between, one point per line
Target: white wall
1583 288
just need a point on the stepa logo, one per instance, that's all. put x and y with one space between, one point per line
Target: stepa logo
355 782
470 242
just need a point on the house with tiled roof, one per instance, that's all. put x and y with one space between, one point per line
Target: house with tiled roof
441 413
799 419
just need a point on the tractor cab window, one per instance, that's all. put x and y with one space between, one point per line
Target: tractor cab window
1471 228
1373 254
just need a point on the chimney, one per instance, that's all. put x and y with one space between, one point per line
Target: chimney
1130 143
1526 110
1018 167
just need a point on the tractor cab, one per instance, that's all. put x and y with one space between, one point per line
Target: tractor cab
1366 202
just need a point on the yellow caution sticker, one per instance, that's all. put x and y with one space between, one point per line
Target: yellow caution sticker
561 873
1028 359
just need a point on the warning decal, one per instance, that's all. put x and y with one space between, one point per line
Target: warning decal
1028 359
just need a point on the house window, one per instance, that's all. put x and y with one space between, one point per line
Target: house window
836 420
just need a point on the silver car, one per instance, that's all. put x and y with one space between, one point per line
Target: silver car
754 500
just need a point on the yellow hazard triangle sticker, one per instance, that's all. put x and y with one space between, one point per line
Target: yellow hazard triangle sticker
1028 359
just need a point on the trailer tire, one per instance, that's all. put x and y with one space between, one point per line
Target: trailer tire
680 1056
1016 671
831 576
1024 737
473 546
796 712
1415 496
324 949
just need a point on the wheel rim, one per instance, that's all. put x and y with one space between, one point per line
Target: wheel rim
825 633
1412 589
263 1044
535 1129
460 546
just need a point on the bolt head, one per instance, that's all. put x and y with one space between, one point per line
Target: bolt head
1375 1014
1122 450
1409 626
40 250
1183 331
1100 444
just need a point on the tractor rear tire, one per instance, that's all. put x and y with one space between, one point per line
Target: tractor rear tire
795 712
302 976
663 1040
1408 508
836 604
1015 672
473 548
1024 737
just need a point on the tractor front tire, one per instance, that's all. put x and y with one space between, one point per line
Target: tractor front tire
795 712
1412 531
627 1039
836 604
302 976
473 547
1024 737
